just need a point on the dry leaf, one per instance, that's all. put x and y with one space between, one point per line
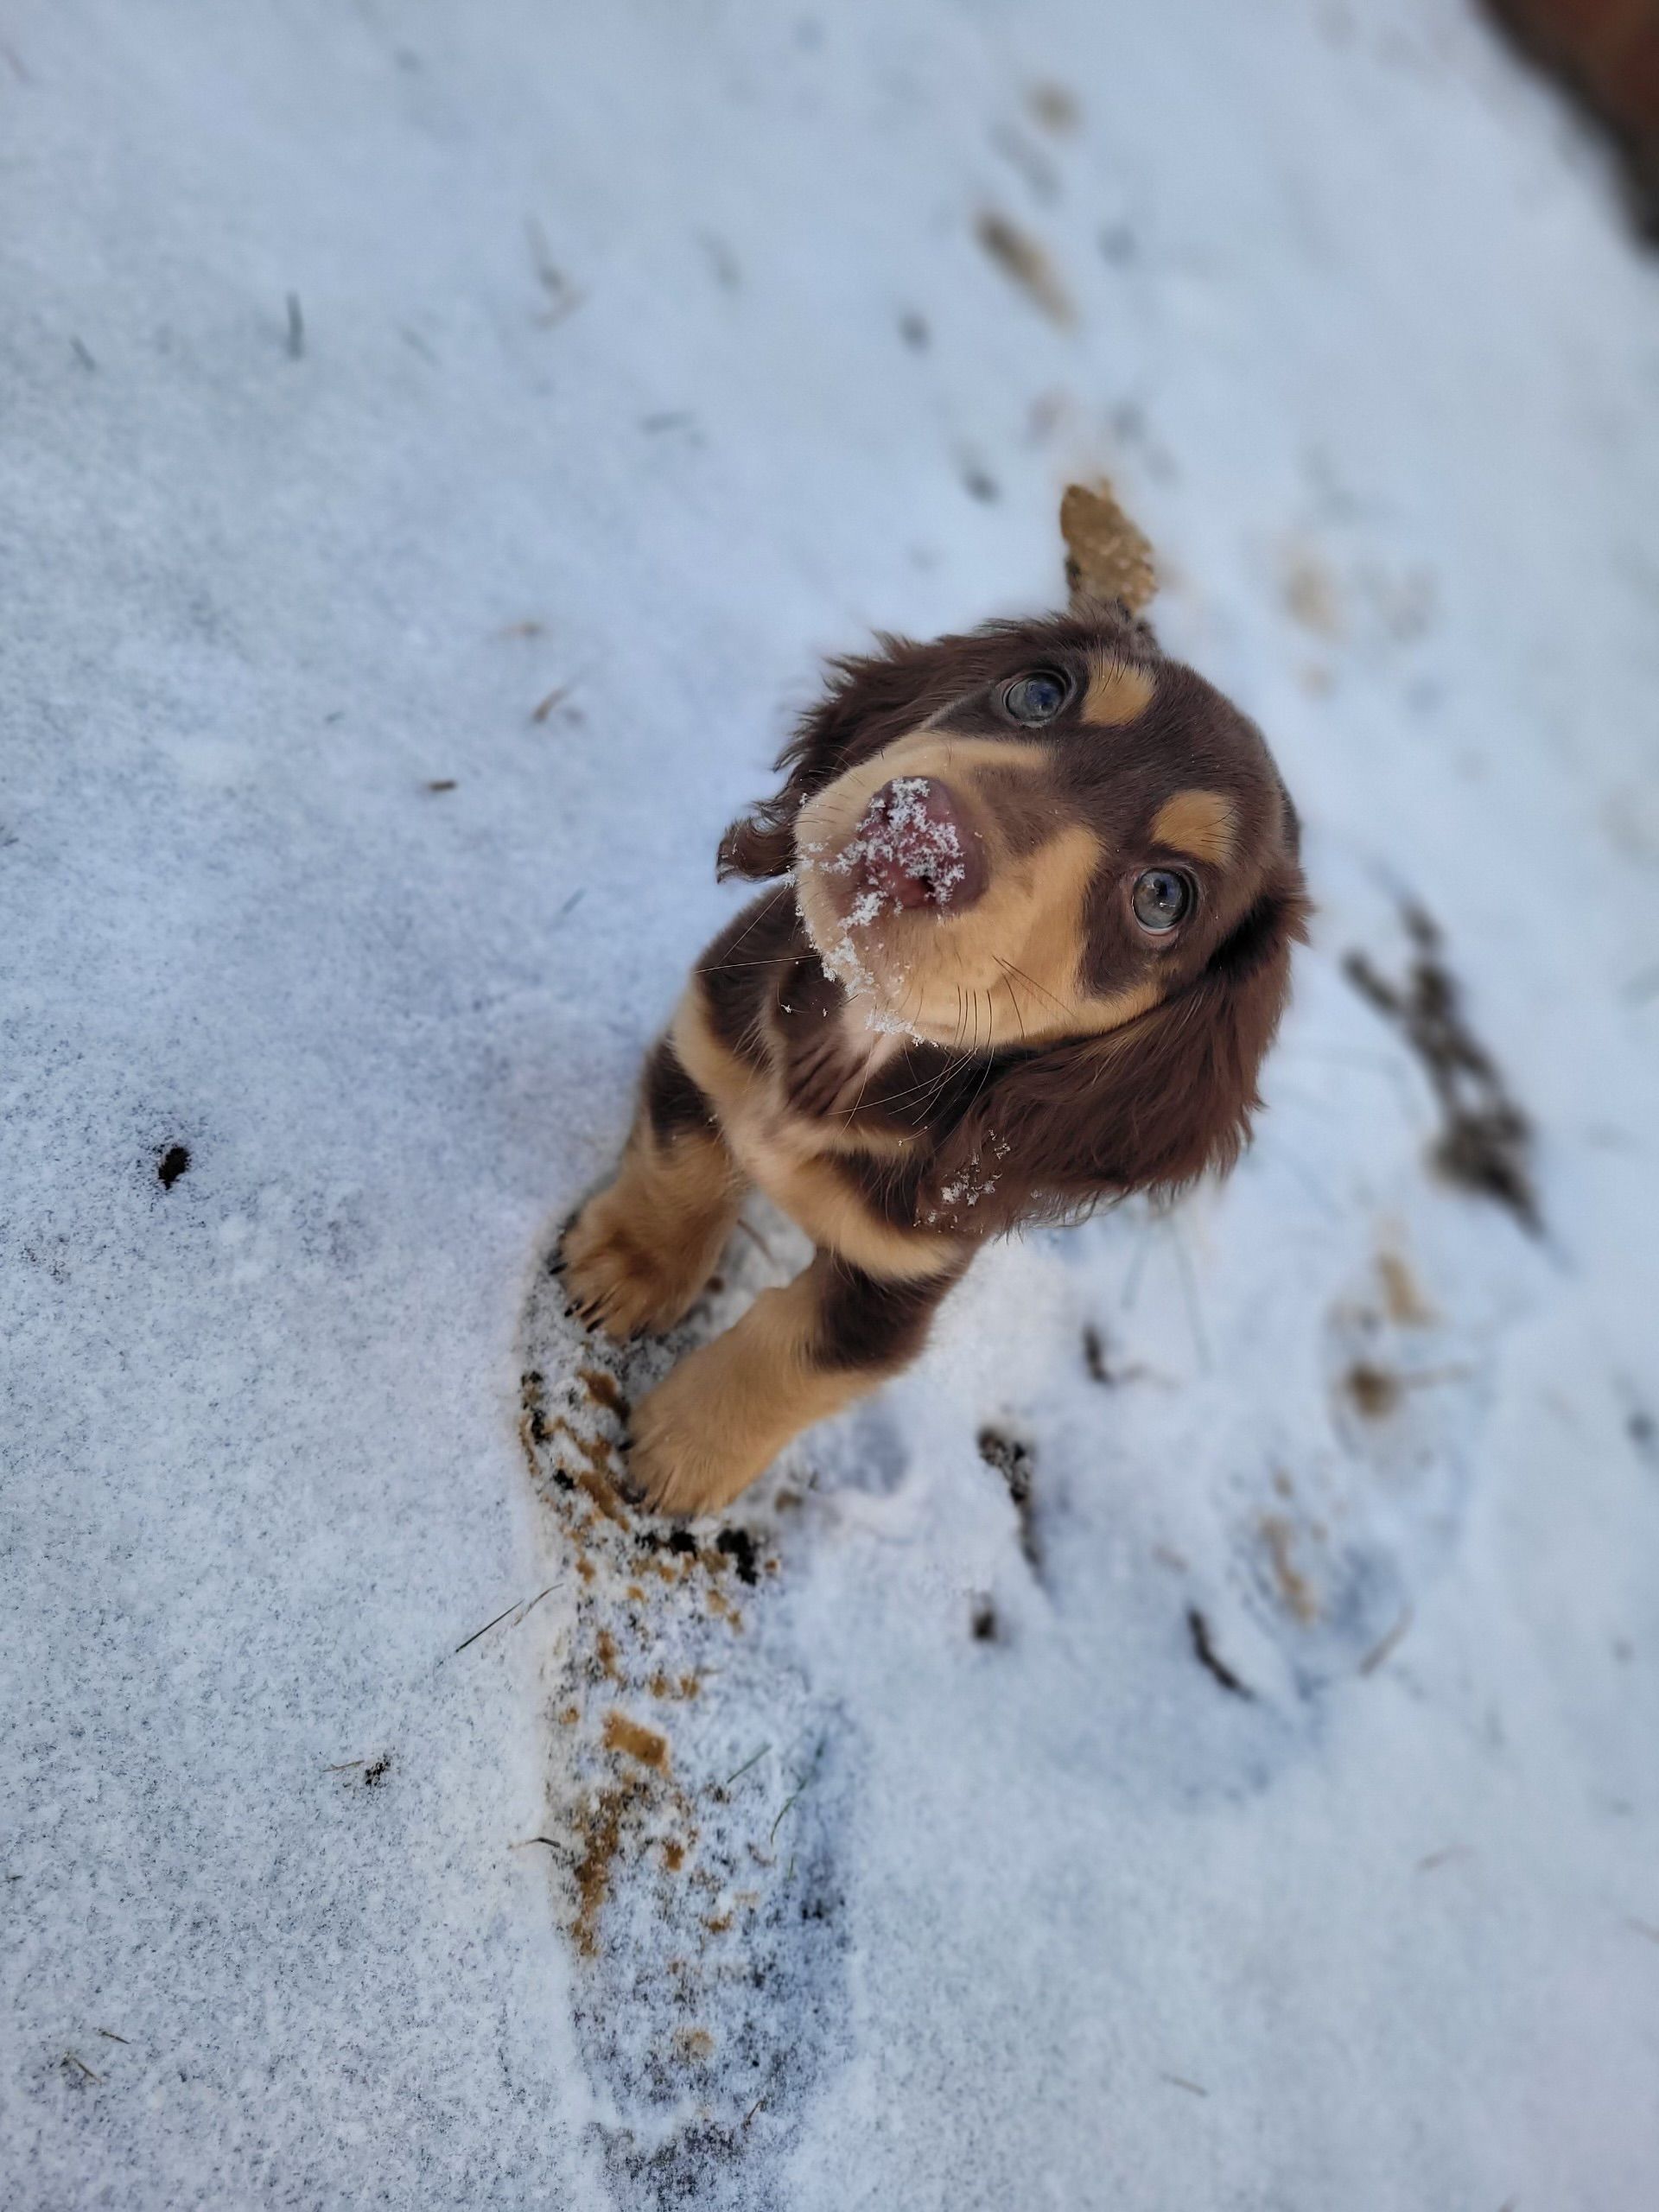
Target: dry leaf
1106 557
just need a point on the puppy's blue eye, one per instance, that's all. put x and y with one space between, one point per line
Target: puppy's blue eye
1160 899
1036 698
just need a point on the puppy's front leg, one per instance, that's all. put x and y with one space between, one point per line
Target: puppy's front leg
799 1354
641 1249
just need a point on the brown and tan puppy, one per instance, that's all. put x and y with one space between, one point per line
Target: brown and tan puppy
1036 890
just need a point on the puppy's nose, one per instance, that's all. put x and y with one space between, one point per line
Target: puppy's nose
913 845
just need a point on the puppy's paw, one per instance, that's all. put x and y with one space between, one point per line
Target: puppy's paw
680 1462
616 1279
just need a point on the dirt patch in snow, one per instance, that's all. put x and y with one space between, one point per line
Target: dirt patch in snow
1015 1463
1486 1140
1026 264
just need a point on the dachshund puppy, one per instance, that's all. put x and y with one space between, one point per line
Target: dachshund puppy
1035 891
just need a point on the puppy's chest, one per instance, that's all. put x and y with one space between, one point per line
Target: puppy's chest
830 1062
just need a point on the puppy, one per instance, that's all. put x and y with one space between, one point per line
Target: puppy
1034 895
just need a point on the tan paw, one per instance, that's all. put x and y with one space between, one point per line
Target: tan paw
617 1278
683 1459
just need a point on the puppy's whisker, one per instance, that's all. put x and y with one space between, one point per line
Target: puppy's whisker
930 1085
720 967
870 1069
951 1067
1064 1005
766 908
984 1077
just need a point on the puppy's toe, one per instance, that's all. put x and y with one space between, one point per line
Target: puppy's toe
677 1465
614 1281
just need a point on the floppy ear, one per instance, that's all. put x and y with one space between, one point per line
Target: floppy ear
1149 1107
873 699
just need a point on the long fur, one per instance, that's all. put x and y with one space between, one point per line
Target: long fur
900 1163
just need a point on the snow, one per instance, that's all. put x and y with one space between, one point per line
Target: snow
897 838
904 834
380 672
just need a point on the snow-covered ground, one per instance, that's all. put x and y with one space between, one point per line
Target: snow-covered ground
436 444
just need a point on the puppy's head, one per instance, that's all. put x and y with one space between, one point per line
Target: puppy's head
1048 838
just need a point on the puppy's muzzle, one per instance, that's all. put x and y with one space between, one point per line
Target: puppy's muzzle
914 845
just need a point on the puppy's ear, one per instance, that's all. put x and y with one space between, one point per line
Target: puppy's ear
1149 1107
872 698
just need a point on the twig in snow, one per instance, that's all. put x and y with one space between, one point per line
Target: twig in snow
1205 1651
295 328
811 1769
81 354
747 1764
801 1783
524 1605
526 1841
1379 1652
72 2058
110 2036
559 693
485 1630
787 1803
1180 2081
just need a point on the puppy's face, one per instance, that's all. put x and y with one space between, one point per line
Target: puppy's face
1038 831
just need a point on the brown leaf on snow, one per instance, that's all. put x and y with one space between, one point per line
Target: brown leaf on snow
1106 557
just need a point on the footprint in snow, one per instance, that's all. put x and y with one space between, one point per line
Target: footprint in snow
697 1787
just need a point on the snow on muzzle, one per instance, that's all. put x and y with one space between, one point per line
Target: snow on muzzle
912 846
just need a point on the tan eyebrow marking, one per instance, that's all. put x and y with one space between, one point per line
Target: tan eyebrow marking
1116 694
1202 825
